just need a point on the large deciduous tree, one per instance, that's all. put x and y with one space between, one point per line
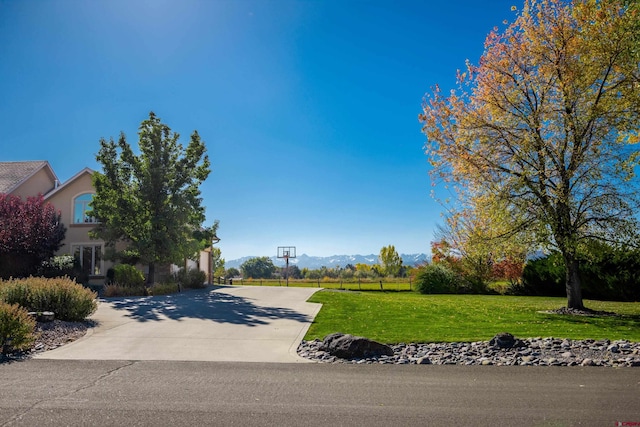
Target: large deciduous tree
152 200
31 231
540 135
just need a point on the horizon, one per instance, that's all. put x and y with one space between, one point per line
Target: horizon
326 256
308 109
313 262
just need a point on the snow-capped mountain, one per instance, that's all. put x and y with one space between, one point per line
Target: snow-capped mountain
315 262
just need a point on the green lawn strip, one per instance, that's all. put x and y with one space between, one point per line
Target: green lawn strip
393 317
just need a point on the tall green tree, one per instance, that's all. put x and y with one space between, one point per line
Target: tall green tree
542 134
218 262
231 273
390 261
258 268
151 200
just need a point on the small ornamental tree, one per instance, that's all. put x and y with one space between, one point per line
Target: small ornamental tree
30 232
509 268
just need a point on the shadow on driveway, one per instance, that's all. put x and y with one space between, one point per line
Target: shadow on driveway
206 304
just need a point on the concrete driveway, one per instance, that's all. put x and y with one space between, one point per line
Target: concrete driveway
219 323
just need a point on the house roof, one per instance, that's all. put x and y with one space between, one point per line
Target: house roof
13 174
67 182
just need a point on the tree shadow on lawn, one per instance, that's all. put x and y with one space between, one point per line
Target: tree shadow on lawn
617 321
204 304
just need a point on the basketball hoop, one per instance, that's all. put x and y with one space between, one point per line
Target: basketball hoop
286 252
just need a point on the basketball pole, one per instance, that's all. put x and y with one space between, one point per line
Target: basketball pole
286 272
286 252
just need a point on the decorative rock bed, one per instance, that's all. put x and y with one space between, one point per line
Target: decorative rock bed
524 352
50 335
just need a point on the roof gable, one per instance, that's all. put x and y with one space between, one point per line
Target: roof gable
13 174
68 182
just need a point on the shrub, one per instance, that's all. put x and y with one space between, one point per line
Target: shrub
542 277
471 284
128 275
16 328
61 266
164 289
501 287
192 278
111 275
436 279
116 290
67 299
196 279
58 266
609 273
606 273
179 277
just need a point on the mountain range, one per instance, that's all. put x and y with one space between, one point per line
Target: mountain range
315 262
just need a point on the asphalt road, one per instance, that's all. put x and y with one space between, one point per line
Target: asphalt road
127 393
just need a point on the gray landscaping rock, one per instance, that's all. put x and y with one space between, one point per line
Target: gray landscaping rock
587 362
536 351
348 346
423 361
505 340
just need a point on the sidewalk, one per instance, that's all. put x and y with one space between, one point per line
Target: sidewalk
219 323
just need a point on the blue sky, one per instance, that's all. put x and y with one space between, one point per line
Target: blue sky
308 108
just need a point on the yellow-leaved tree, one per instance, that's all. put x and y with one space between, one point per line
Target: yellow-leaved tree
541 136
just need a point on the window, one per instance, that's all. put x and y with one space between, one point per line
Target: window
80 209
89 257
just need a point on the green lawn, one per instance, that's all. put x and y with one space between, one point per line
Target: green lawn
394 317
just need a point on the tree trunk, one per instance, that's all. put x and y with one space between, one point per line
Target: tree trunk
574 292
152 273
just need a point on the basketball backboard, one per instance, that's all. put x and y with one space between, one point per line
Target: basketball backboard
286 251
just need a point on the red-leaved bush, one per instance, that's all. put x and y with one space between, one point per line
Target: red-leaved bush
30 232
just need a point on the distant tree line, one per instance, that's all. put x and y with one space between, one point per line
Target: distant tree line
390 265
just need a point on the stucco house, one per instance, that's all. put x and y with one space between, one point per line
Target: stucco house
26 179
71 198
